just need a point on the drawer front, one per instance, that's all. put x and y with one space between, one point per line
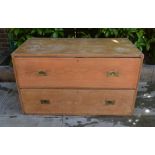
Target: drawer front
78 101
77 72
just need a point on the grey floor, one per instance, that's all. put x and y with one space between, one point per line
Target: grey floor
144 114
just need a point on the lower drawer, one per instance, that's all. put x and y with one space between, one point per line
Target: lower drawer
78 101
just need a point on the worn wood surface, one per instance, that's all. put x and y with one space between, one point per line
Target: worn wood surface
77 102
82 47
77 63
77 72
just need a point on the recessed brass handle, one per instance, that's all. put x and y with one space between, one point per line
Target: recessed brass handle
44 101
109 102
112 74
42 73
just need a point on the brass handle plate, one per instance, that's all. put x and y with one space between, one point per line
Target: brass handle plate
42 73
44 101
112 74
109 102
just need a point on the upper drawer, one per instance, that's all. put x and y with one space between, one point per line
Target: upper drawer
77 72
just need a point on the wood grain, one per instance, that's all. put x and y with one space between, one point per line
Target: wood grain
77 76
79 47
77 72
77 102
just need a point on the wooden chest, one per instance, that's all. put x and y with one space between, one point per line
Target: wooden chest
77 76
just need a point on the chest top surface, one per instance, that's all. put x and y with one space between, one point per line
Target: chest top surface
79 47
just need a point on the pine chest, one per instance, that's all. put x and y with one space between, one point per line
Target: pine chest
77 76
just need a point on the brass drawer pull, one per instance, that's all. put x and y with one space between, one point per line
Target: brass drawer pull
112 74
109 102
42 73
44 101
